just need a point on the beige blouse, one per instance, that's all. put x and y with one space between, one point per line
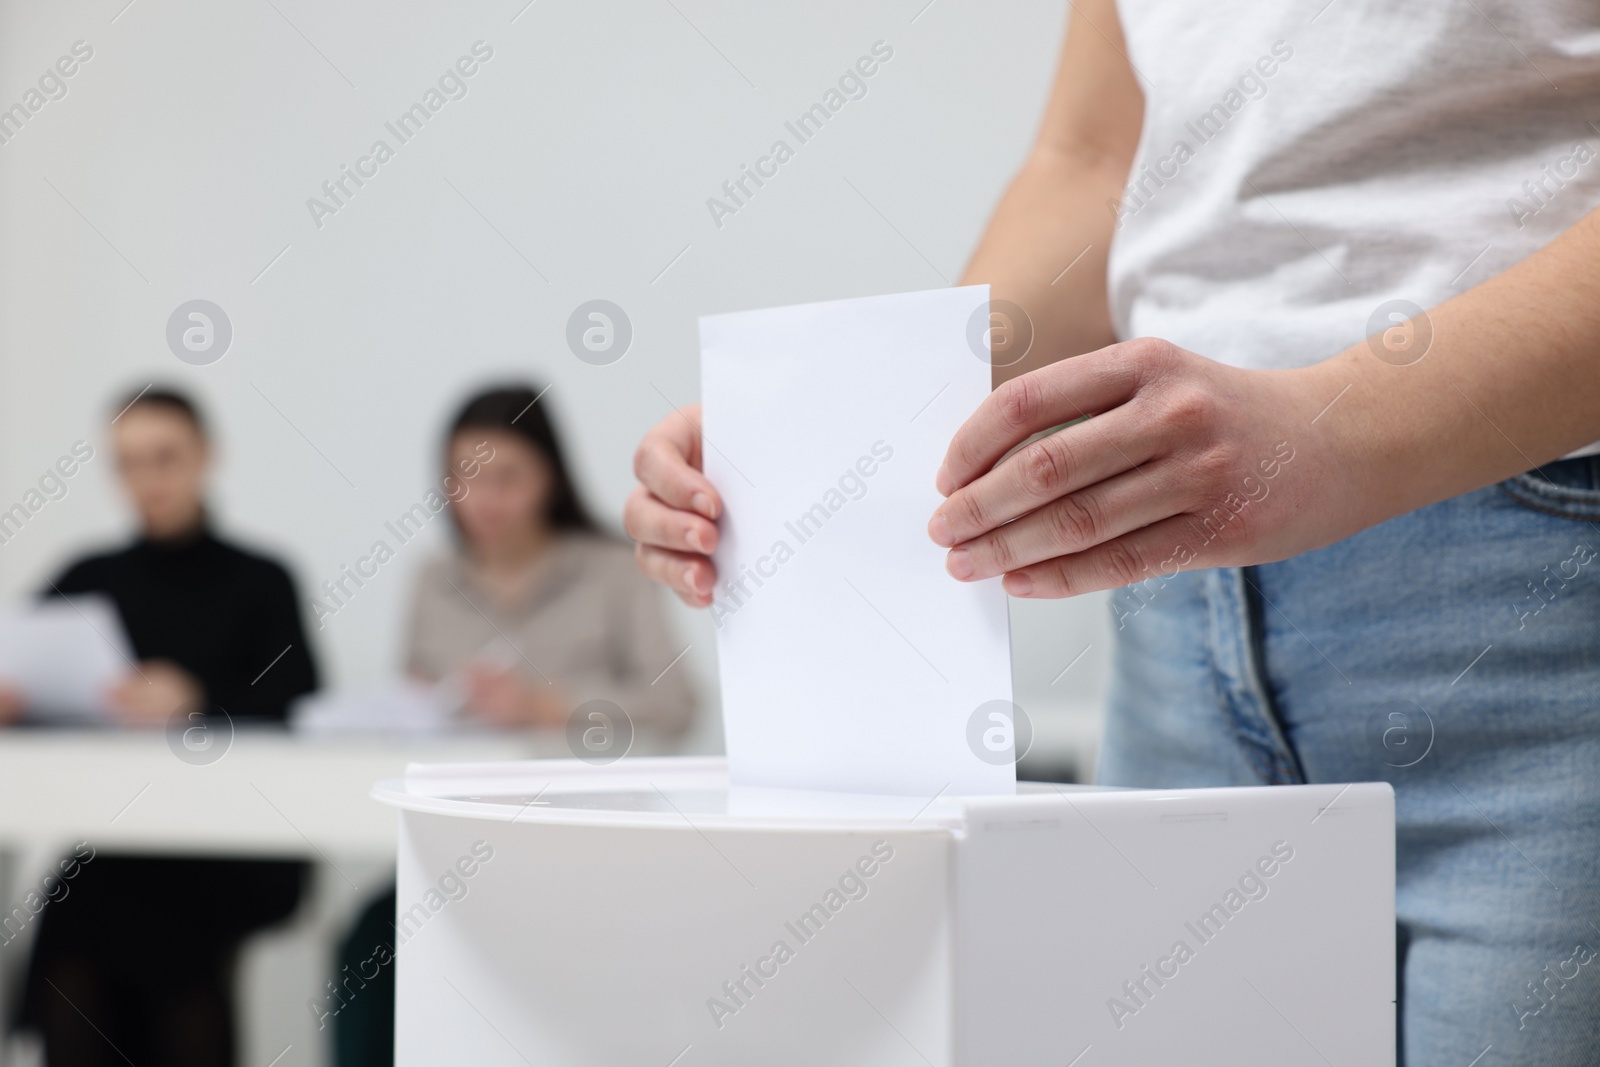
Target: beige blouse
588 621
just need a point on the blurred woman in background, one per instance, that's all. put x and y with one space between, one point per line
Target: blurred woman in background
136 964
536 611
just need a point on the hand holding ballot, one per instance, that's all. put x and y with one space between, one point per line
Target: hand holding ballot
1170 461
61 660
801 527
672 512
1165 461
70 662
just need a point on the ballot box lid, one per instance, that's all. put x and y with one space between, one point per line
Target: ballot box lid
687 792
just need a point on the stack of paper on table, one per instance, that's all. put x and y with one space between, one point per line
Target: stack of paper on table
400 706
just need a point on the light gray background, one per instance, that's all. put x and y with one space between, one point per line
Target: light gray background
179 164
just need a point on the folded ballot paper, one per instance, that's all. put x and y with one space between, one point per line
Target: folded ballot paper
849 659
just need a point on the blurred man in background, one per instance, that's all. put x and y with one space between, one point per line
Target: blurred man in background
144 946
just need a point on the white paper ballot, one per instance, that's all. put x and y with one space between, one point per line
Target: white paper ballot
849 659
64 655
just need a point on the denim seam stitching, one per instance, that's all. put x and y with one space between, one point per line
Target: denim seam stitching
1248 745
1542 487
1266 710
1257 733
1548 503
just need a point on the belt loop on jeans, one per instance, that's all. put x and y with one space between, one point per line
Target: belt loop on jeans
1236 657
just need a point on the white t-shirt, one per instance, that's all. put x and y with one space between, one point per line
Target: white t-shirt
1300 170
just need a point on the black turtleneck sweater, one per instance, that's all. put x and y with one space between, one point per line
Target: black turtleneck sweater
223 615
228 617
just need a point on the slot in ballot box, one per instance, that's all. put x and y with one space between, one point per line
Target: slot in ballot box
645 912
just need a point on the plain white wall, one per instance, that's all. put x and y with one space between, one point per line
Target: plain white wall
577 166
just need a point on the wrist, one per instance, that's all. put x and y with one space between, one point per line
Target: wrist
1380 436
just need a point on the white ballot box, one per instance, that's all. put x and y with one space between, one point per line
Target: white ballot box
645 914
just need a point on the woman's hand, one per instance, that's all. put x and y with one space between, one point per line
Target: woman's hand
152 695
1182 462
12 704
671 514
502 697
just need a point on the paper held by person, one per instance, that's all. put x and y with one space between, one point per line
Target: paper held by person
63 656
849 659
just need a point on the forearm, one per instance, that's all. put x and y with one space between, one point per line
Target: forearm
1046 247
1510 380
1045 250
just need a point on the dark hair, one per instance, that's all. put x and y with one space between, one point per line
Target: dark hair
167 399
515 409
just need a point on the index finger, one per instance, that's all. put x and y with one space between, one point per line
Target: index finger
667 463
1073 388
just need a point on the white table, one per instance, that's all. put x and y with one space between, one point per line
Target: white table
269 794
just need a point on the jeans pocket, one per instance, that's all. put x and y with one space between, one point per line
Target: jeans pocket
1568 488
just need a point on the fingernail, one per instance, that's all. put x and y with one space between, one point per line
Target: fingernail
959 564
939 530
701 502
941 478
1018 584
690 573
696 539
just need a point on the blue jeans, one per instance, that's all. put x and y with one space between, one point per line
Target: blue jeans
1455 653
